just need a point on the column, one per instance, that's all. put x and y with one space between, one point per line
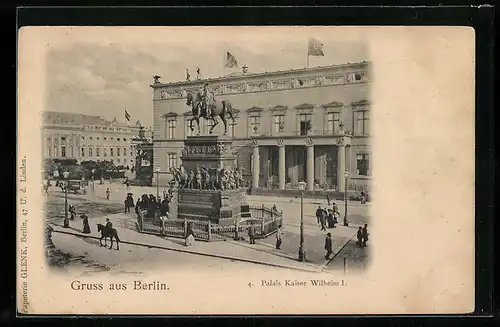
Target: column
310 165
256 165
341 166
281 167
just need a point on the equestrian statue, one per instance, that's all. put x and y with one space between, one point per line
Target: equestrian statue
204 105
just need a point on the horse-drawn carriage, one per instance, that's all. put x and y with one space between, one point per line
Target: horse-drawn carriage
77 187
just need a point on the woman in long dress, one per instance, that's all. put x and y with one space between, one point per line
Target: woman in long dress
86 226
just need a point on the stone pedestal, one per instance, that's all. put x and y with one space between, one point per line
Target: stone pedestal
208 151
221 206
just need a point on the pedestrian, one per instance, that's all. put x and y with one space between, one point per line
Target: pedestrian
128 184
279 237
137 208
359 236
330 220
251 233
335 209
189 235
328 246
72 211
318 213
86 226
322 220
127 203
328 198
365 234
108 192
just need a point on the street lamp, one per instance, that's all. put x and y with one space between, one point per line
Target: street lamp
346 174
93 180
66 220
302 250
157 184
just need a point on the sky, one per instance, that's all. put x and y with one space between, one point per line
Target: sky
105 71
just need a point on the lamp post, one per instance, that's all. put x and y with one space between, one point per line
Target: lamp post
346 174
302 250
93 180
157 184
66 220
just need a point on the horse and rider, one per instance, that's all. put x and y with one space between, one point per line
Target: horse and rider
204 105
108 231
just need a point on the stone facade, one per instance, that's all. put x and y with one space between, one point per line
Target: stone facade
299 125
85 137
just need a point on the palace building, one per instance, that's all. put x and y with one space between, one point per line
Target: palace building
85 137
307 125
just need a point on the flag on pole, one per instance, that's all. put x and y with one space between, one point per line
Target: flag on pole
230 60
127 115
315 47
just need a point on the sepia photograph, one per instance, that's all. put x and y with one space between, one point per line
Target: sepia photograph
211 155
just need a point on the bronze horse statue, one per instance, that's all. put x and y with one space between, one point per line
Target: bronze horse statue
111 234
218 109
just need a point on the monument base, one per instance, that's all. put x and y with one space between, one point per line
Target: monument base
219 207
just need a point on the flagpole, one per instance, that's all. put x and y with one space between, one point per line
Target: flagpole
307 63
224 62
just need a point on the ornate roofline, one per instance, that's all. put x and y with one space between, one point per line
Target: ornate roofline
261 74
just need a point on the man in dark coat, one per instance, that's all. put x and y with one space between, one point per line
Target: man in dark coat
127 203
330 219
251 233
328 246
318 213
359 236
322 219
164 208
365 234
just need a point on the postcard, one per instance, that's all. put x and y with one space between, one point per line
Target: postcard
245 170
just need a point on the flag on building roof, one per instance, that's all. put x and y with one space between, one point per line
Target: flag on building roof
231 60
315 47
127 115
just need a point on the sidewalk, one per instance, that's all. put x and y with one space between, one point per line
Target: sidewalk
260 253
314 243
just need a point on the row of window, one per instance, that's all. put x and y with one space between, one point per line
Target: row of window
362 165
63 138
89 152
332 126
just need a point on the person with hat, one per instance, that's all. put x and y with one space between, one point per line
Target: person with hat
328 246
86 226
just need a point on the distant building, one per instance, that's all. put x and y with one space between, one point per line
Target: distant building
85 137
310 125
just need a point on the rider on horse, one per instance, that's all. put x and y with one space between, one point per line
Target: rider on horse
206 96
109 226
